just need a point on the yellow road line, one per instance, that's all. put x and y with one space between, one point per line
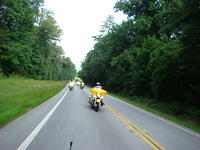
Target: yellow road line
135 129
138 131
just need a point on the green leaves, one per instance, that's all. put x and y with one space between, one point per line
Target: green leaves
28 36
48 29
155 53
143 23
123 62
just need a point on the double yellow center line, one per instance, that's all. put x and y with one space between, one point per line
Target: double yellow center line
135 129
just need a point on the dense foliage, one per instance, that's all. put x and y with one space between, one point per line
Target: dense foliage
154 53
28 42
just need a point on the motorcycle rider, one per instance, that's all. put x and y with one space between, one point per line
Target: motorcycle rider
82 85
70 85
98 86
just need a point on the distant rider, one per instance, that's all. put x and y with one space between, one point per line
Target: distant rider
71 85
82 85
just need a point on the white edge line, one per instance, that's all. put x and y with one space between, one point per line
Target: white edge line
33 134
156 116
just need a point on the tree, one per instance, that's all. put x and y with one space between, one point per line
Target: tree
17 25
28 45
155 53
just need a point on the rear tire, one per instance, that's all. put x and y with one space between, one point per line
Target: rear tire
97 107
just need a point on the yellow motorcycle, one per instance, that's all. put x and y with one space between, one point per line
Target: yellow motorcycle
96 99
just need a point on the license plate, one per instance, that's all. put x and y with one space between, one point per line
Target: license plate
98 100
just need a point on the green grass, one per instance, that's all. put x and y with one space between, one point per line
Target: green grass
18 95
161 109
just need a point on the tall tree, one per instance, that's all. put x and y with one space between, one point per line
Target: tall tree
155 53
17 21
28 41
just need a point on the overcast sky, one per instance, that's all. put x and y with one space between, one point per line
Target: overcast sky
80 20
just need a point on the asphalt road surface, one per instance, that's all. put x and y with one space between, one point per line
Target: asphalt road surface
67 117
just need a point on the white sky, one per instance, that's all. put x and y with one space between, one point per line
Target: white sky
80 20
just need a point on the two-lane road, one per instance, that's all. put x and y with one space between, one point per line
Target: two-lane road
67 117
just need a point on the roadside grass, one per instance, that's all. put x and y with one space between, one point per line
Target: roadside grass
18 95
162 109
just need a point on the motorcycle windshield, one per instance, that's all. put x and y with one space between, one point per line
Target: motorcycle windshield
98 91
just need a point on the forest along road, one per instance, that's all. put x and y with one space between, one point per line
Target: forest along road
67 117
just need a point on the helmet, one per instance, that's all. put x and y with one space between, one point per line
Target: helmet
98 84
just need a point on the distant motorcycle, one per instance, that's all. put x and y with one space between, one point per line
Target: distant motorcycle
70 87
82 86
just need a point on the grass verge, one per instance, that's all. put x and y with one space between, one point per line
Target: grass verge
18 95
161 110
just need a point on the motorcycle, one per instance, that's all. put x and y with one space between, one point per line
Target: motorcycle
81 86
96 101
70 87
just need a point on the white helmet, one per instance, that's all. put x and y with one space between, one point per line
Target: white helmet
98 84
